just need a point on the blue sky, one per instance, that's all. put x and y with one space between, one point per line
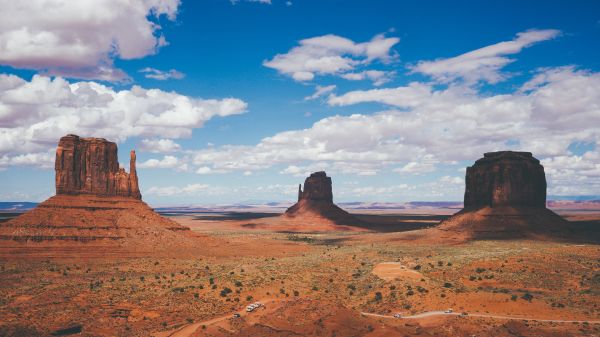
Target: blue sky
410 94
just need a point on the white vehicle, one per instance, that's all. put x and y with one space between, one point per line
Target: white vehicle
449 311
398 315
250 308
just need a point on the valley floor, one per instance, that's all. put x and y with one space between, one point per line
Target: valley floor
348 283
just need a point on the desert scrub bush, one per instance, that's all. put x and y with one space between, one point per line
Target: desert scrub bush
378 296
238 284
527 297
225 291
447 285
417 267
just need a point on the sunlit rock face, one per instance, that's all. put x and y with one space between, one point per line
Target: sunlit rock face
505 179
91 166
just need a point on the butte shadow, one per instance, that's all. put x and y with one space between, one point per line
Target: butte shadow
505 198
97 210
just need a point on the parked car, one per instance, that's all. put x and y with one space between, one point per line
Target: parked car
398 315
449 311
236 315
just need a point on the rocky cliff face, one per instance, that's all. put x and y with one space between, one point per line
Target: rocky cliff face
505 179
316 187
91 166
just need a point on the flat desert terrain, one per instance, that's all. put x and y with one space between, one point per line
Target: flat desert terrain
320 282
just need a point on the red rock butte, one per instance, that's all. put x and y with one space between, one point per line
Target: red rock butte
91 166
97 210
505 197
315 205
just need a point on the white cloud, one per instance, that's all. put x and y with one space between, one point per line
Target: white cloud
378 77
409 96
320 91
441 126
81 38
35 114
331 55
159 145
416 168
169 162
40 159
162 75
167 191
452 180
482 64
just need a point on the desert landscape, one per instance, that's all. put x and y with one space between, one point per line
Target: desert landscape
290 168
100 262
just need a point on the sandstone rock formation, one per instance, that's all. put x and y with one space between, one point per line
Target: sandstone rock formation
315 205
505 178
91 166
505 197
97 209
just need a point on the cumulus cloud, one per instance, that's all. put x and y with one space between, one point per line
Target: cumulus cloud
482 64
406 97
435 126
378 77
417 167
159 145
35 114
167 191
331 55
169 162
162 75
40 159
320 91
81 38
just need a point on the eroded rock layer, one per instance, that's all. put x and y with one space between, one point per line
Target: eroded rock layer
91 166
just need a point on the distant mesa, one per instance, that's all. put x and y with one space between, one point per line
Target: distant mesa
315 204
505 197
97 209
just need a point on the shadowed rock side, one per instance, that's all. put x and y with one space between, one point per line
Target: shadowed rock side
97 210
505 197
315 205
505 178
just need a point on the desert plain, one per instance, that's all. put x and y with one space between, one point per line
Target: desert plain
316 282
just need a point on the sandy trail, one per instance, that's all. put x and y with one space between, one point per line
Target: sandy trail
395 270
440 313
189 329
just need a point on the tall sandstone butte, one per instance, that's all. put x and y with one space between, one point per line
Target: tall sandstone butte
315 204
316 187
505 197
91 166
505 178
